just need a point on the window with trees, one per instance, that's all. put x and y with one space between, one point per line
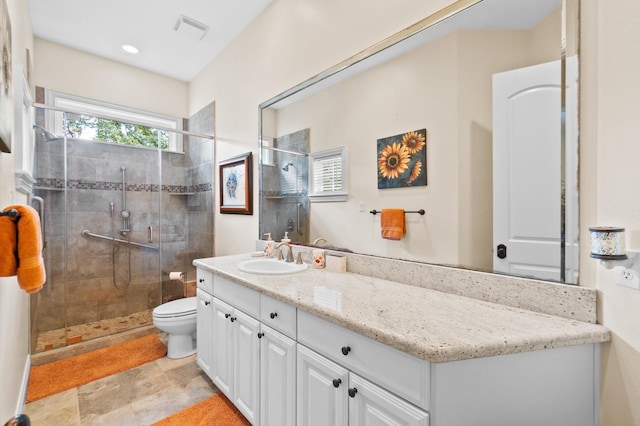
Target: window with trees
95 120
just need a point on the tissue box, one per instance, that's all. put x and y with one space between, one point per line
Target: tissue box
336 263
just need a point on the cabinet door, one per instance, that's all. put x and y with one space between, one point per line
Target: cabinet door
277 378
222 361
204 331
322 390
246 371
371 405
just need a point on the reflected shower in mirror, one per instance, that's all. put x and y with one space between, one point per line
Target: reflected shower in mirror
501 165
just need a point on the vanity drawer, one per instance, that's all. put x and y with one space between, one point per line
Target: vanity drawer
394 370
278 315
239 296
204 280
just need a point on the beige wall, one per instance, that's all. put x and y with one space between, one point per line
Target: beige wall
14 303
79 73
291 41
610 153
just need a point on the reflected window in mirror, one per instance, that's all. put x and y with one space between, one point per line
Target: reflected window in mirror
328 175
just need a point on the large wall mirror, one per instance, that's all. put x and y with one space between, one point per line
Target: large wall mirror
494 85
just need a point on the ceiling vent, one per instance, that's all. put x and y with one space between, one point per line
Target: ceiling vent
191 28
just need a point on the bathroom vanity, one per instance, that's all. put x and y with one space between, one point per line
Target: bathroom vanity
327 348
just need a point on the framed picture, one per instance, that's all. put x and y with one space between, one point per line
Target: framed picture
402 160
236 185
6 91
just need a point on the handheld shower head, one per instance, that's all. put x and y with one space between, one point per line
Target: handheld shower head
286 167
44 134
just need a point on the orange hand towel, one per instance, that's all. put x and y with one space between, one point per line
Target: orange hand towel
30 271
8 247
393 224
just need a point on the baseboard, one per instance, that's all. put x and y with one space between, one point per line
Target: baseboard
23 387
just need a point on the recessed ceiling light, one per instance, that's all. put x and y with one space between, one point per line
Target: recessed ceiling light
130 49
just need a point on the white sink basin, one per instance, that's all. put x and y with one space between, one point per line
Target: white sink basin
270 267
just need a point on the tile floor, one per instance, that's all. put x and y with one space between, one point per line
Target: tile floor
60 337
136 397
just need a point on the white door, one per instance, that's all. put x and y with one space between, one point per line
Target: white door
246 369
277 378
322 390
370 405
527 171
204 331
222 362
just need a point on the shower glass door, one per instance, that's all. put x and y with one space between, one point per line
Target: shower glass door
102 232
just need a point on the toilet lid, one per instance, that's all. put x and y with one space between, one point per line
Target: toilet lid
178 307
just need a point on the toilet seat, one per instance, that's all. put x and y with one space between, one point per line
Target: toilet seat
176 308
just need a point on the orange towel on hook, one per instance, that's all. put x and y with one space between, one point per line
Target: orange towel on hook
28 247
8 247
393 224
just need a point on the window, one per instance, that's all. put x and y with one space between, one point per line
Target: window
327 175
107 122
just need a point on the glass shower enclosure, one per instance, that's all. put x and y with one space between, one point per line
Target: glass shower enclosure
117 220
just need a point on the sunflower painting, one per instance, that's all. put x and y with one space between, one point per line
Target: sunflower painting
402 160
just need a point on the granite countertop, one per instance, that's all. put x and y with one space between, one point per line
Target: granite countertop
429 324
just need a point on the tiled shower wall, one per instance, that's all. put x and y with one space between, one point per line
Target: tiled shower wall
285 205
84 284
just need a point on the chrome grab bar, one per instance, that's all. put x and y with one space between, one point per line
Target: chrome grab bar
87 233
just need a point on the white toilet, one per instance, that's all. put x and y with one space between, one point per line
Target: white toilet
178 319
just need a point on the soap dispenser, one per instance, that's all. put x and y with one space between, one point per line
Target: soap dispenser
286 238
269 246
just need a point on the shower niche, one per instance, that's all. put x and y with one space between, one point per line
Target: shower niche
284 177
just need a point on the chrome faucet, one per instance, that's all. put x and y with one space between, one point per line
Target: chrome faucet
289 257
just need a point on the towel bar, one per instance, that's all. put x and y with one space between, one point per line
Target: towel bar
12 213
420 212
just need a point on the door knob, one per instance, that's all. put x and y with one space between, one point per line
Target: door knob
501 251
346 350
353 392
273 315
336 383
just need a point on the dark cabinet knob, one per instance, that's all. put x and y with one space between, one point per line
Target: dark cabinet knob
227 315
260 335
207 303
233 319
346 350
201 280
353 392
273 315
336 383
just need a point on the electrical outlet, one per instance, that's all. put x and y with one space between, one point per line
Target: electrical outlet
627 277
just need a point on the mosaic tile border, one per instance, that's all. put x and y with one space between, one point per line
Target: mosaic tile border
54 183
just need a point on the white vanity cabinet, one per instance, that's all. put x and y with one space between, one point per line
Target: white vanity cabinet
204 325
252 363
334 392
277 378
204 330
236 357
329 394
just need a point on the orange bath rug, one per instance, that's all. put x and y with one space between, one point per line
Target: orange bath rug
58 376
216 410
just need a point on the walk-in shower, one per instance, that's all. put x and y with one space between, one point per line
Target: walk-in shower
117 219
